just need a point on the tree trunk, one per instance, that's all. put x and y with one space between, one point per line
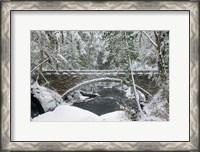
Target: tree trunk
161 61
41 65
134 87
57 51
133 81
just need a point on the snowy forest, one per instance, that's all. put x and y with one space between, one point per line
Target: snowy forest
99 75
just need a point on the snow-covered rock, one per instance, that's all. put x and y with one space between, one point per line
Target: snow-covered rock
48 98
129 94
83 98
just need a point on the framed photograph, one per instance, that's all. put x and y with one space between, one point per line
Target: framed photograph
109 75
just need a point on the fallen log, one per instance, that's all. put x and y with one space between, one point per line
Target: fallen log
88 94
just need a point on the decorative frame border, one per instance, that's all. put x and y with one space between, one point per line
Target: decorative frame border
8 6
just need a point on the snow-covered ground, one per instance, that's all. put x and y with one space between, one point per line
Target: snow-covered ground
157 109
115 116
71 113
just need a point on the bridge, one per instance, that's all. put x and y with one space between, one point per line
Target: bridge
65 81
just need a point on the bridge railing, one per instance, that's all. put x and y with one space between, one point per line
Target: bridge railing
99 72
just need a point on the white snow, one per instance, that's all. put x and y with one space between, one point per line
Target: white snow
82 98
115 116
82 51
71 113
129 94
141 96
68 113
156 109
150 118
105 56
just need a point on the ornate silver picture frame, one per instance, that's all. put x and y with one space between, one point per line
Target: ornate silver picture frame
7 7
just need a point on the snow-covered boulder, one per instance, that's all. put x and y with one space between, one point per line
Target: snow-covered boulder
68 113
48 98
129 94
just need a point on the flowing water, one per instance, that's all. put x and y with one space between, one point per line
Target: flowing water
109 100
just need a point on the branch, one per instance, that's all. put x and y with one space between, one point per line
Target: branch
49 56
39 64
144 91
89 82
64 96
150 39
62 57
44 77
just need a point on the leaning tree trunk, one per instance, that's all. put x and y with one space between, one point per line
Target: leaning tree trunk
161 60
134 87
133 81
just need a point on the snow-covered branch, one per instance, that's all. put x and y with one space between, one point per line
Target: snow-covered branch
144 91
89 82
64 96
150 39
39 64
62 57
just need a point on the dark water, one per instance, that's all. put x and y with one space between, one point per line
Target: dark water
109 100
36 107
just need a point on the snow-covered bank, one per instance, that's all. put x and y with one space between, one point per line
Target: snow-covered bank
68 113
71 113
157 109
115 116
